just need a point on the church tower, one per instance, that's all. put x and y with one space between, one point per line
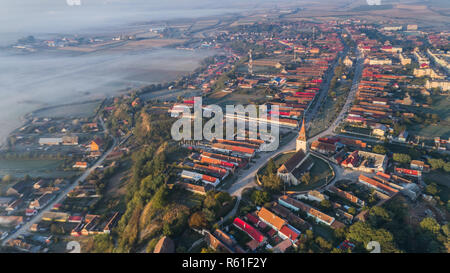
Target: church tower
301 139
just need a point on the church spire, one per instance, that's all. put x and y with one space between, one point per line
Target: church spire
302 133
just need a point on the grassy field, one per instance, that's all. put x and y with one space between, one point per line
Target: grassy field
438 177
278 160
319 173
33 167
441 107
186 198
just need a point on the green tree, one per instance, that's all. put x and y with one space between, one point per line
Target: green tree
272 182
431 225
352 210
363 233
306 178
379 149
7 178
379 216
260 197
432 189
271 168
103 243
402 158
436 163
324 244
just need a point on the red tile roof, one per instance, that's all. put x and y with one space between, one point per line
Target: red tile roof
290 233
251 231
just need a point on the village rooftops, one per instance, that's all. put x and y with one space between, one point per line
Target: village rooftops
271 219
298 205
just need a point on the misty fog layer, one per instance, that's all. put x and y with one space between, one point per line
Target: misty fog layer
25 17
32 81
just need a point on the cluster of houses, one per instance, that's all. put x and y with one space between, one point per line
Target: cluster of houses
377 98
264 227
212 162
26 198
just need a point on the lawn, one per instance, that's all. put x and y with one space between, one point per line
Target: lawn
186 198
439 177
441 107
319 174
34 168
278 160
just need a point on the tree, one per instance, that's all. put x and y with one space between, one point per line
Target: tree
260 197
271 168
159 199
103 243
7 178
379 149
436 163
432 189
402 158
324 244
272 182
198 220
151 245
379 216
352 210
210 201
431 225
363 233
326 204
447 167
306 178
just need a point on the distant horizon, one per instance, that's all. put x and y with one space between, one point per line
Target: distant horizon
25 17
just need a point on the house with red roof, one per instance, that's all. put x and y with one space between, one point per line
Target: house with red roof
250 230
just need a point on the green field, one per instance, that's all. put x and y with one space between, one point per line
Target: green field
441 107
278 160
319 173
34 168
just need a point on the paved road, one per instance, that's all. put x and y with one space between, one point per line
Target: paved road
348 102
25 228
323 92
246 179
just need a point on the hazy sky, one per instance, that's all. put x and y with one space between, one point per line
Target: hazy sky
46 16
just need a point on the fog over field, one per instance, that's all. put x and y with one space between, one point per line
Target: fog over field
29 81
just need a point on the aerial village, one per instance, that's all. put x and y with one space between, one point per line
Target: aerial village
332 169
